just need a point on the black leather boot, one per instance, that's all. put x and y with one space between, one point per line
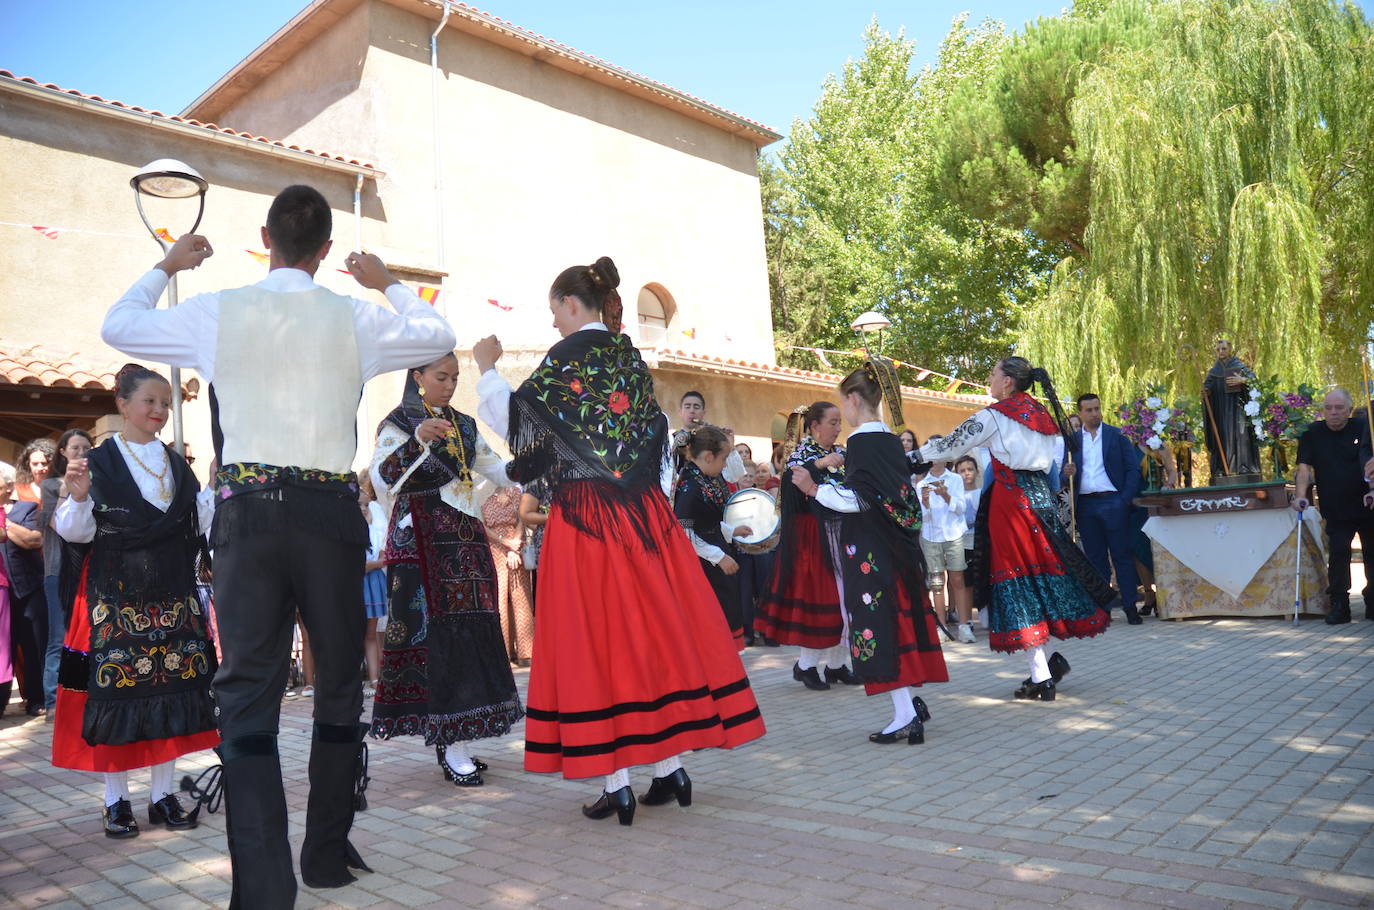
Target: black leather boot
335 761
1339 613
255 824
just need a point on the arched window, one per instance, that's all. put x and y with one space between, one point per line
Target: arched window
656 309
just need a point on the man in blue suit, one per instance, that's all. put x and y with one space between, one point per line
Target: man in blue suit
1107 478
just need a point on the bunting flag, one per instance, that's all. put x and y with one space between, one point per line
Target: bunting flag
50 233
690 333
262 258
165 235
503 307
427 294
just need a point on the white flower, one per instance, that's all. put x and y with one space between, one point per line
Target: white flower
1259 426
1163 414
1254 394
1251 408
1158 426
1154 442
1153 402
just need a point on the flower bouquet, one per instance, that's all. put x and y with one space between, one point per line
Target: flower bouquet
1148 421
1280 417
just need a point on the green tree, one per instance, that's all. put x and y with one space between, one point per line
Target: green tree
1201 167
855 219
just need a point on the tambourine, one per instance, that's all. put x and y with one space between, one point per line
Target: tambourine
759 510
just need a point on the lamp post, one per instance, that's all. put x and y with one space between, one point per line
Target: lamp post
167 178
871 323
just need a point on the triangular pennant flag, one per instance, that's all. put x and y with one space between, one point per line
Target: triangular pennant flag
690 333
503 307
262 258
50 233
427 293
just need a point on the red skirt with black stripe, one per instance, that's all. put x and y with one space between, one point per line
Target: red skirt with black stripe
633 659
919 657
802 605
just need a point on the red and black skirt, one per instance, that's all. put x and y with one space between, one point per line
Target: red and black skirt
633 659
802 605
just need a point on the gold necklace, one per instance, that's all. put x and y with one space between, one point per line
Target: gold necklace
163 490
454 446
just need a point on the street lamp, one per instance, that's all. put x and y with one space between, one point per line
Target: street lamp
167 178
870 323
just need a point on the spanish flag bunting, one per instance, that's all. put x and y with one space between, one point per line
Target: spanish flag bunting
690 333
262 258
503 307
50 233
428 294
164 234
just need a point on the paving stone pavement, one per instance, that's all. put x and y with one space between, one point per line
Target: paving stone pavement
1207 764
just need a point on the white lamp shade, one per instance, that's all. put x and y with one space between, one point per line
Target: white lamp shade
870 322
168 178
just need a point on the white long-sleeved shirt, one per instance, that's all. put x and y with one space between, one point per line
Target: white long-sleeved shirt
1013 444
75 521
837 497
493 407
1092 469
187 334
942 521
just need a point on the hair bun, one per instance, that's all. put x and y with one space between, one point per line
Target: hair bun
1040 375
605 272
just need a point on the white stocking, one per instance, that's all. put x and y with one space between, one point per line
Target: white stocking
903 711
459 759
667 766
116 786
618 781
1039 665
160 784
807 658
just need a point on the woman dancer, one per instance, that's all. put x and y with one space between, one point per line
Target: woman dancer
802 604
445 675
1027 573
892 633
633 661
699 504
134 687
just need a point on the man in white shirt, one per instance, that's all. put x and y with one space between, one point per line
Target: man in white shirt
692 412
286 361
942 541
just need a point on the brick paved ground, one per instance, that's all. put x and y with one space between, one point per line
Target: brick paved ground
1208 764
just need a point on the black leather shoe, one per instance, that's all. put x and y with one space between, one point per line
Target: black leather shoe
809 678
1059 666
119 820
662 789
769 642
472 779
922 712
1132 616
621 802
1338 615
914 732
1032 690
168 813
842 674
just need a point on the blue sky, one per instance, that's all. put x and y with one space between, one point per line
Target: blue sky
764 60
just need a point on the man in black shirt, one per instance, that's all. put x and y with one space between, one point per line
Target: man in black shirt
1335 451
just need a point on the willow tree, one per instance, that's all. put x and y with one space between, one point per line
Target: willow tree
1203 168
855 221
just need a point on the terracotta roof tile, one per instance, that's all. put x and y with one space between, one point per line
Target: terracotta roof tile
39 366
211 127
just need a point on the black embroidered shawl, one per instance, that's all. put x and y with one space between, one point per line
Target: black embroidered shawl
880 551
587 420
150 661
443 464
795 502
699 504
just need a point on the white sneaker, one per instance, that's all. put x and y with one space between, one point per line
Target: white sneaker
966 633
308 691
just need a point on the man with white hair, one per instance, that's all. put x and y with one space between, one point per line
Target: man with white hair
1332 453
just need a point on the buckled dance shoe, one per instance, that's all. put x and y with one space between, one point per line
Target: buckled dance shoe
621 802
842 674
1033 690
676 785
168 813
119 820
809 678
922 712
914 732
1059 666
472 779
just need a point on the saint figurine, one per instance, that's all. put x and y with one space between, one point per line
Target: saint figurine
1229 434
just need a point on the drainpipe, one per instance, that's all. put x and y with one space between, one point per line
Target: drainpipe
438 149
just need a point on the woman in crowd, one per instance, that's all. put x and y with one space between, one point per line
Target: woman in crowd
6 647
633 661
1031 578
445 675
72 445
891 628
699 504
802 605
911 448
501 515
374 581
138 662
534 515
35 463
27 632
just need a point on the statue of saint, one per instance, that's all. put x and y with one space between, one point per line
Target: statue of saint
1230 436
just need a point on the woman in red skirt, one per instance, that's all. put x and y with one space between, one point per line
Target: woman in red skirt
892 634
633 661
134 684
1027 572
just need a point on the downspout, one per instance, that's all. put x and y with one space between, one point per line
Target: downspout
438 148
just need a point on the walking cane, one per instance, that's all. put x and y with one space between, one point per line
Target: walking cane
1297 571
